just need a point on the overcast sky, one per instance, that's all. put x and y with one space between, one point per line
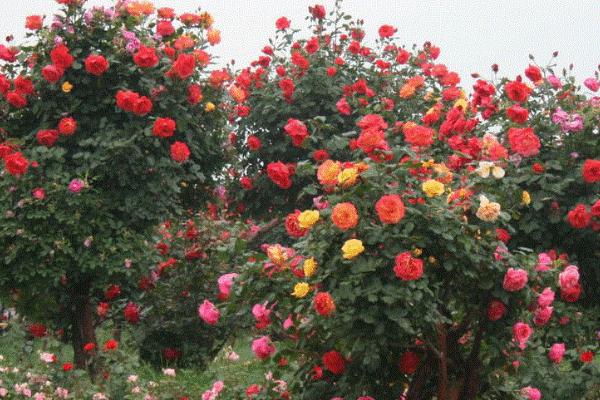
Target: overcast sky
473 34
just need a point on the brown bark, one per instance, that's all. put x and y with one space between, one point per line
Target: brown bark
419 381
442 362
83 332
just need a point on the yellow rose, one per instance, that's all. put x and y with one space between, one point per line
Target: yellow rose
310 267
308 218
277 254
488 211
433 188
348 177
352 248
210 107
525 198
67 87
301 289
462 103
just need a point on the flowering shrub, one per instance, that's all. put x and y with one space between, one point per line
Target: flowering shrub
197 269
402 195
109 123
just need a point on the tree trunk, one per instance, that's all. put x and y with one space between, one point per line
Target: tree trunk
83 332
442 362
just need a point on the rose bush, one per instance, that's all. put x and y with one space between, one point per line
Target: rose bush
402 195
197 270
109 125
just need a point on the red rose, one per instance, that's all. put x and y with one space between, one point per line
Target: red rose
390 209
402 57
164 127
579 217
5 84
96 65
596 209
146 57
194 94
533 73
67 126
5 149
37 330
47 137
142 106
496 310
407 267
570 294
591 171
587 356
409 361
538 168
502 235
16 164
517 91
299 60
23 85
112 292
292 226
89 347
16 99
324 304
61 57
183 67
34 22
111 344
126 99
282 23
279 174
296 130
246 182
317 11
334 362
419 136
386 31
253 143
517 114
131 313
524 141
320 155
52 73
165 28
180 152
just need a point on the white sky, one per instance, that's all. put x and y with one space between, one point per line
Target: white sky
473 34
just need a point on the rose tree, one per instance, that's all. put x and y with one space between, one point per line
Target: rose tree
106 113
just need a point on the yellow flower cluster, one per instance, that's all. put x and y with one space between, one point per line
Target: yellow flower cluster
310 267
352 248
308 218
301 289
433 188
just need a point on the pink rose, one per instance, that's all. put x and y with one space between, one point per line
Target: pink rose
521 333
554 81
76 185
542 315
531 393
556 353
225 283
546 298
592 84
544 262
515 279
209 313
263 348
262 314
569 278
288 323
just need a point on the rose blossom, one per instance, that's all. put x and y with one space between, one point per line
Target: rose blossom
521 333
76 185
515 279
556 352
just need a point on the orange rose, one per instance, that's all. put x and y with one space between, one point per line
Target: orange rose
390 209
328 172
345 216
